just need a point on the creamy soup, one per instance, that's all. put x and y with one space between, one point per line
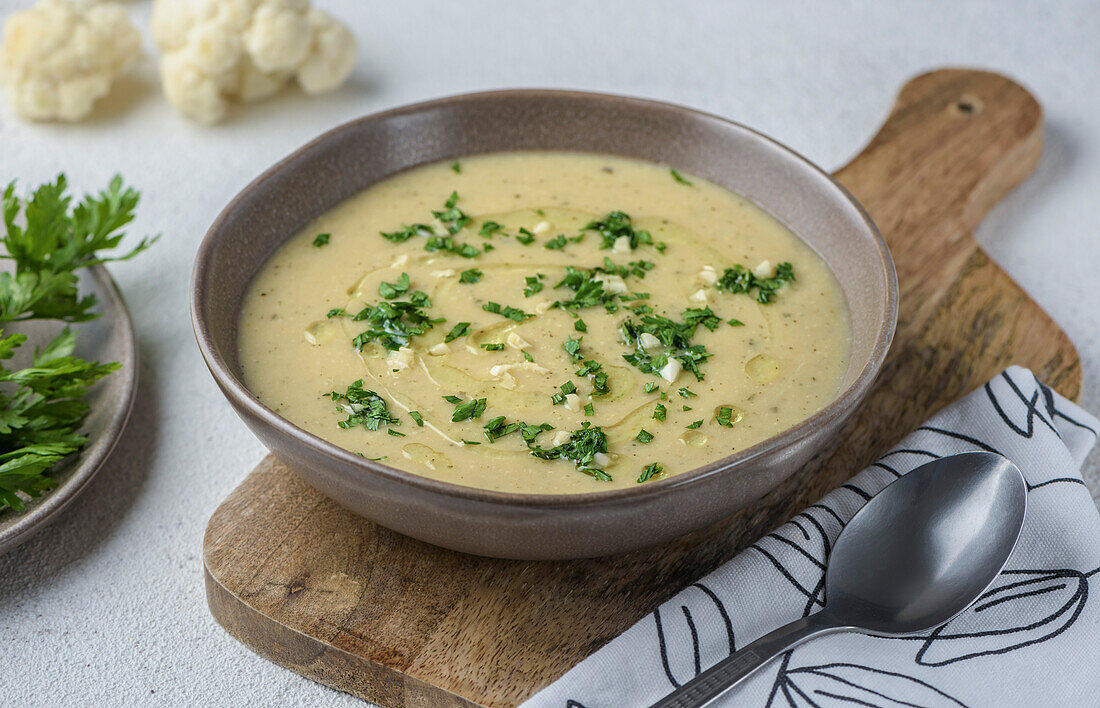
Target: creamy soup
545 322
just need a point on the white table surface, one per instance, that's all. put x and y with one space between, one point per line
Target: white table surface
107 605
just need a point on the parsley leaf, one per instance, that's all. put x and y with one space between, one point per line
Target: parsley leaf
740 279
365 408
321 240
534 285
643 436
393 290
459 330
679 178
650 471
471 275
451 216
469 410
510 312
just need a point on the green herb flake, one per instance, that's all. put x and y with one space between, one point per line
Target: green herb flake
686 392
527 356
556 244
572 347
589 409
492 346
512 313
364 407
489 228
660 412
643 436
470 410
724 416
451 216
679 178
459 330
580 325
456 168
534 285
693 425
650 471
470 275
739 279
321 240
395 433
415 415
525 237
451 399
394 290
408 231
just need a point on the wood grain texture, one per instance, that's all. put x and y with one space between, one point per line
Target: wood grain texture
335 598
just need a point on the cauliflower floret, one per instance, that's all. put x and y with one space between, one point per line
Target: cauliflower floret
58 58
215 51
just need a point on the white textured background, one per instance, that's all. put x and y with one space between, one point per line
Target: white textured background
107 606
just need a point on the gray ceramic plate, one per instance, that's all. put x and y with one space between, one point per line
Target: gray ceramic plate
108 338
356 155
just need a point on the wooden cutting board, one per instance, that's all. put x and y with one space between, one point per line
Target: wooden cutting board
335 598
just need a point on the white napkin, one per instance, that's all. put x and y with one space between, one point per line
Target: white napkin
1032 640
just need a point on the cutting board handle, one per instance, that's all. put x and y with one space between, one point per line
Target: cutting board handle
955 143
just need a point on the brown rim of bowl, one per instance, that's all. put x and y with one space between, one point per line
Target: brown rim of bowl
841 405
90 459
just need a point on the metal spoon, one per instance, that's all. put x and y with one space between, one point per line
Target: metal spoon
915 556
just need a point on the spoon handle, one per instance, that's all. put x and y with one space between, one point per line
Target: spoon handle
730 671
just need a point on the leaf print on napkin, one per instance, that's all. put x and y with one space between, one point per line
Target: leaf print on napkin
854 685
693 632
1023 607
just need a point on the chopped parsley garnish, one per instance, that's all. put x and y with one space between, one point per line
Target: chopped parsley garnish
451 216
556 244
566 388
735 323
447 244
406 232
456 168
643 436
589 409
489 228
451 399
459 330
470 275
588 291
393 323
497 428
493 346
470 442
686 392
693 425
724 416
395 433
415 415
525 237
675 336
365 408
650 471
572 347
580 325
581 449
618 224
687 407
321 240
534 285
508 311
740 279
469 410
679 178
394 290
660 412
527 356
599 384
650 386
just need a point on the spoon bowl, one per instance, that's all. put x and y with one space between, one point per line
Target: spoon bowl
916 555
927 545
